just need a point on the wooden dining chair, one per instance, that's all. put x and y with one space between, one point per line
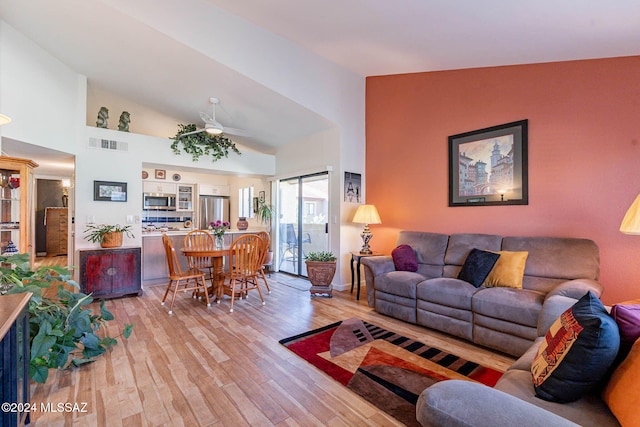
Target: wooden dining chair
200 240
246 255
193 278
267 243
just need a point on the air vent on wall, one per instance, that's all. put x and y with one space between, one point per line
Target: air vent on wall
108 144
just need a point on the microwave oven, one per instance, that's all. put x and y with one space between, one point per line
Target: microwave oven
159 202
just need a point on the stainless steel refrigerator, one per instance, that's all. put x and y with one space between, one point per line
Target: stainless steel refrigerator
213 208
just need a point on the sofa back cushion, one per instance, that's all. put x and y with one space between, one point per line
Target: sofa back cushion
553 260
460 245
429 249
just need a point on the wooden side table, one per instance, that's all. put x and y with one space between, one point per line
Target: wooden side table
356 257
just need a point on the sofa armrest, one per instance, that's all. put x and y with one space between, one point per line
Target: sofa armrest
374 266
577 288
460 403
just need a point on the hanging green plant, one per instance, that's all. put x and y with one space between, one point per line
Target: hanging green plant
202 143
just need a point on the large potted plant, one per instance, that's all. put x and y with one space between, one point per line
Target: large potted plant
321 267
63 331
109 236
264 213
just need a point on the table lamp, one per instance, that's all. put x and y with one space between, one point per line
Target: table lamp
366 214
631 221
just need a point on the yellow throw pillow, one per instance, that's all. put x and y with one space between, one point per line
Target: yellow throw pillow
622 393
508 271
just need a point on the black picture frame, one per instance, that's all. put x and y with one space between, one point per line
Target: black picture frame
109 191
489 167
262 196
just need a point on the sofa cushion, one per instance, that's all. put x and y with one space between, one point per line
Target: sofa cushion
402 283
577 352
627 317
462 243
404 259
508 271
477 266
518 306
622 393
446 292
590 410
557 257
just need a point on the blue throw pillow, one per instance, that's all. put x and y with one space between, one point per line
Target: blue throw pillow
477 266
576 353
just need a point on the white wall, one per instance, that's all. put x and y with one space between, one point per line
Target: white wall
45 98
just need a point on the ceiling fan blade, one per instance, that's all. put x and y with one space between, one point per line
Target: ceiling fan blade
191 133
206 118
237 132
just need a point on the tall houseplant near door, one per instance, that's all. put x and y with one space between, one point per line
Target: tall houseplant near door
264 213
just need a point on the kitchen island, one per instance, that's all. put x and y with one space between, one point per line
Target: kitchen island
154 260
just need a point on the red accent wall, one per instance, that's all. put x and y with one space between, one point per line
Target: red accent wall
584 154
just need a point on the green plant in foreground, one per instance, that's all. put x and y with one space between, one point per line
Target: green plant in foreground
64 332
320 256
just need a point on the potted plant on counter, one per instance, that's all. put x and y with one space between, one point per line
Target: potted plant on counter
321 267
109 236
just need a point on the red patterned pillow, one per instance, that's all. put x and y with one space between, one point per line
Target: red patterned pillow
576 353
404 258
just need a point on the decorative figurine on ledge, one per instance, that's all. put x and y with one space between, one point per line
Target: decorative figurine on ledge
125 119
103 115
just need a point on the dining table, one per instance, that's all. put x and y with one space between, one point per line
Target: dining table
217 255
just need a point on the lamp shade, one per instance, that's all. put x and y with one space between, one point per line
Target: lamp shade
631 221
4 119
367 214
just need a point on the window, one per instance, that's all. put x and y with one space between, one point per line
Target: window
245 202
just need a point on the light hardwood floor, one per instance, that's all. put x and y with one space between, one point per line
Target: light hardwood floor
206 367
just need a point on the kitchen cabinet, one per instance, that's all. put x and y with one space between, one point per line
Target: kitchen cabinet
57 226
213 190
185 198
159 187
14 357
110 273
17 185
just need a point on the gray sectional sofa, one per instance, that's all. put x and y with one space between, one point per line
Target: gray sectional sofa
558 272
505 319
512 401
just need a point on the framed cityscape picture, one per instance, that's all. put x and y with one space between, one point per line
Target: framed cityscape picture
489 166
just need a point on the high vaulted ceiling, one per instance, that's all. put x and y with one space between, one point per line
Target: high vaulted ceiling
120 50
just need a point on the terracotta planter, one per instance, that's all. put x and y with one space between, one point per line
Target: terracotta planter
112 240
320 275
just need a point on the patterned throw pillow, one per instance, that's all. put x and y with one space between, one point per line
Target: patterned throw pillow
576 353
477 266
508 271
404 258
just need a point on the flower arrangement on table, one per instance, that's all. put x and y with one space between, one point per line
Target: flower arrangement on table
217 228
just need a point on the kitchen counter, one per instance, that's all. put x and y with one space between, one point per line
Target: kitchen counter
154 259
184 231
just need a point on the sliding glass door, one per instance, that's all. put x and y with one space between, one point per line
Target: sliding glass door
303 224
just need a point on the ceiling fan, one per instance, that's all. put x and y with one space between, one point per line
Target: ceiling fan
212 126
